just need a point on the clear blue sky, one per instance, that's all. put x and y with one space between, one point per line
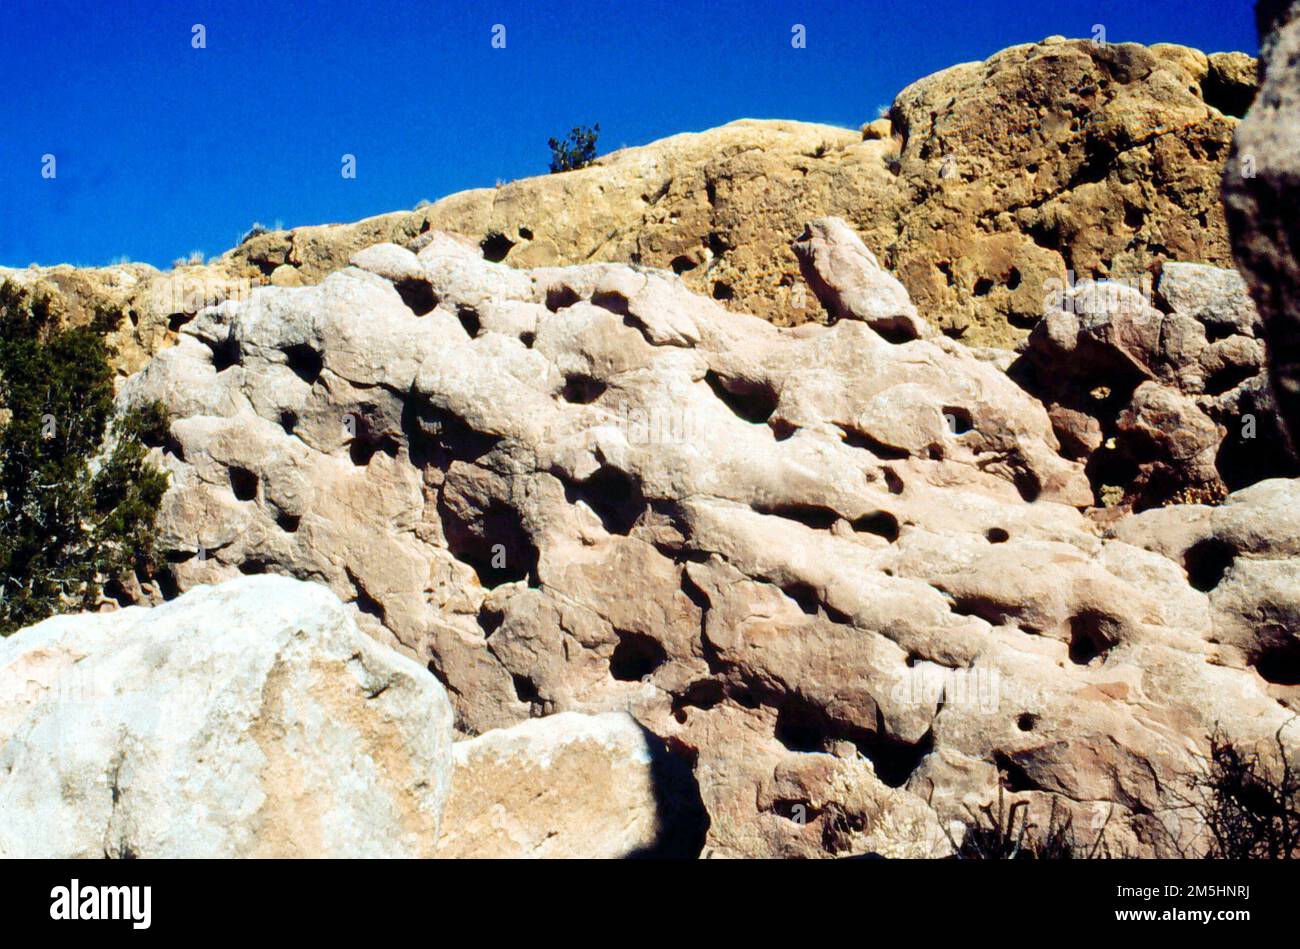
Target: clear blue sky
162 149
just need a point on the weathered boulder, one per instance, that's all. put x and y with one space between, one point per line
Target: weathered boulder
250 719
570 785
846 579
1260 185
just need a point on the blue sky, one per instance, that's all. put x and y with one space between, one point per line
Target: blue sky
162 149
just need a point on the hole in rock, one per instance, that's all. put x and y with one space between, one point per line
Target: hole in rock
810 515
982 286
495 247
435 437
613 301
811 603
526 689
893 481
1016 778
996 535
804 727
559 296
287 522
895 759
305 362
856 438
176 320
992 612
493 541
490 620
526 233
682 264
1206 561
527 339
582 390
288 421
614 497
469 321
636 656
1013 278
881 523
723 291
417 294
1026 721
1092 635
752 401
1278 660
363 448
957 419
243 482
253 567
703 694
225 353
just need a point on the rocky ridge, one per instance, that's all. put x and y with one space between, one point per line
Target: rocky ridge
985 181
844 577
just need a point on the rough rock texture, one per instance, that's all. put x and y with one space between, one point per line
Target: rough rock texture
987 180
1161 391
571 785
1260 187
249 720
846 580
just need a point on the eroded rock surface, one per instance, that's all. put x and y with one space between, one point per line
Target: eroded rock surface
847 580
247 720
1159 387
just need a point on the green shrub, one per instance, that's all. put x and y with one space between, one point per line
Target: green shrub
78 497
576 151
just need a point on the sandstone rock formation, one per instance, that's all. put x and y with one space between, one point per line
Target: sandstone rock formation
1260 185
847 580
987 180
247 720
571 785
993 178
1161 390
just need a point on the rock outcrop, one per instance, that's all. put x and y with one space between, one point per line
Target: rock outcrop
846 579
247 720
1161 390
986 181
1260 187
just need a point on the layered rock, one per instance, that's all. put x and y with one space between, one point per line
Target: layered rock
1159 387
1259 192
846 579
247 720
